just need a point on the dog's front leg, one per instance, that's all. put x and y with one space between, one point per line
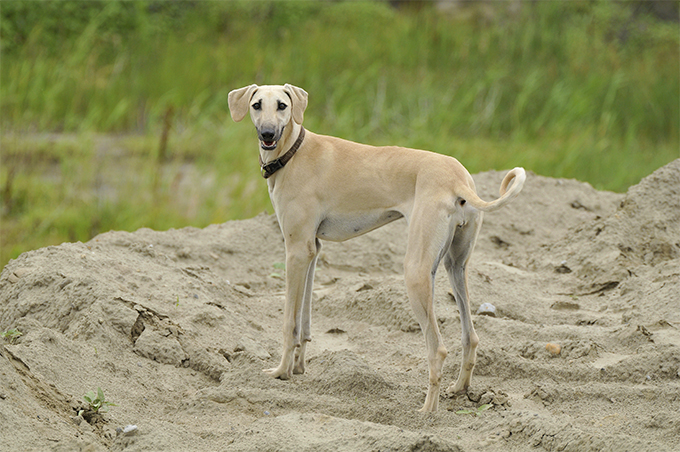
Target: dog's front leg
306 314
300 261
304 324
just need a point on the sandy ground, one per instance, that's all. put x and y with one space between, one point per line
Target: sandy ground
176 327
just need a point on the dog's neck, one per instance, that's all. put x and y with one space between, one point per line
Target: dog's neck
271 167
288 137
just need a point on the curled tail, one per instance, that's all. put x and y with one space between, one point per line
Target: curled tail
516 175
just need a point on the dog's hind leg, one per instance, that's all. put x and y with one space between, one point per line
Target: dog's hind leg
456 261
429 237
304 318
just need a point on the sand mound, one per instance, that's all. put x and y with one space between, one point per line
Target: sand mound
176 326
645 230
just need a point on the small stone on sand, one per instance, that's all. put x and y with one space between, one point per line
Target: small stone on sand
487 309
553 349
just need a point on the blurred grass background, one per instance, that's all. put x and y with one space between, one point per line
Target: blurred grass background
114 114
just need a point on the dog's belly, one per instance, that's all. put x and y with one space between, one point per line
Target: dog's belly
340 227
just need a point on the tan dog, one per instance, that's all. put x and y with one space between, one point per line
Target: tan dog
334 189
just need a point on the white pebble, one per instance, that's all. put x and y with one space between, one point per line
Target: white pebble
487 309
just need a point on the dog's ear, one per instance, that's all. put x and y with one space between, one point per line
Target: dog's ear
299 98
239 100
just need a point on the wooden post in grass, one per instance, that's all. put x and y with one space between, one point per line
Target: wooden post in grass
162 148
7 189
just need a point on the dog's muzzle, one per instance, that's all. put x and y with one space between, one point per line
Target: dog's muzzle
269 138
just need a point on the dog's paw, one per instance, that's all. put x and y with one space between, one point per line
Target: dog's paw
278 373
456 388
428 408
299 368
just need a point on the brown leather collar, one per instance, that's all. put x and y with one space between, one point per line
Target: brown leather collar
270 168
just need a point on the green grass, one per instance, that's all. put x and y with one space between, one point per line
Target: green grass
585 90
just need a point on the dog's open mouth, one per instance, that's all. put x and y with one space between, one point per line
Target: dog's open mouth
268 145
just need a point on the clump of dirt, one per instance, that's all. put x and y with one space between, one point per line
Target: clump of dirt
176 326
344 373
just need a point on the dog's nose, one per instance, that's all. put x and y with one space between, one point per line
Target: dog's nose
268 135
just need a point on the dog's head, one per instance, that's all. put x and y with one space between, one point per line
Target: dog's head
271 109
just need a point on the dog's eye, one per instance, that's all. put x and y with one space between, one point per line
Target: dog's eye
257 105
282 106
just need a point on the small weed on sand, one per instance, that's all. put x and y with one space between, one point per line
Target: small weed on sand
279 266
97 401
11 335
